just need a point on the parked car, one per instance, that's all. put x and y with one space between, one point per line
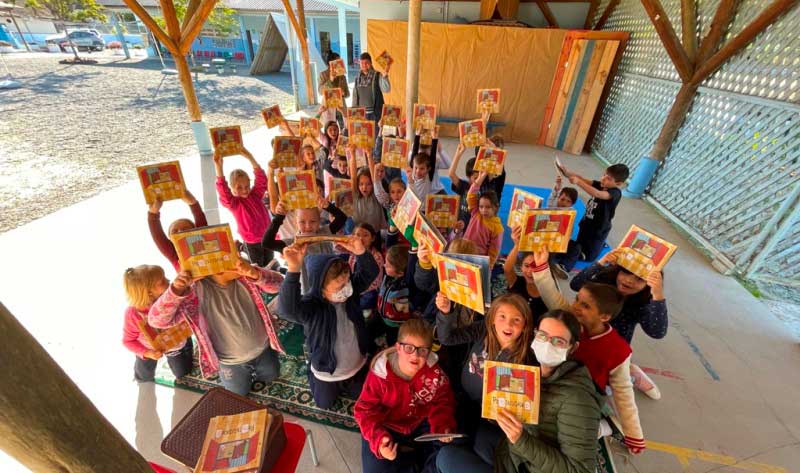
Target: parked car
84 40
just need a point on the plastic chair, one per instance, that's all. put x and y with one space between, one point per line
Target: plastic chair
296 437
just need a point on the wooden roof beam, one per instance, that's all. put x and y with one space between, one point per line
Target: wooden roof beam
191 7
718 29
689 28
669 39
151 24
593 5
548 14
195 25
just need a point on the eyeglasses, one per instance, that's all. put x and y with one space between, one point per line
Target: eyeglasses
557 342
408 349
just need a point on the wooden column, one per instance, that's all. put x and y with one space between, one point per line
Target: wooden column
412 65
675 118
669 39
548 14
689 28
46 422
301 17
593 4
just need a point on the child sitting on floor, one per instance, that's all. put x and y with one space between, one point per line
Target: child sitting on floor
335 332
246 205
143 285
485 227
371 241
162 241
406 394
366 207
418 175
561 197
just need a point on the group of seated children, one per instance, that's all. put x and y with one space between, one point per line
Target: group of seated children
377 327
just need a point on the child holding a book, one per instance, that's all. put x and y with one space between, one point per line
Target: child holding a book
162 241
371 241
366 208
561 197
247 205
604 352
485 227
333 323
232 325
523 285
336 169
596 222
418 175
406 394
143 285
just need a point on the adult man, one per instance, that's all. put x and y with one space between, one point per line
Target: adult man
369 87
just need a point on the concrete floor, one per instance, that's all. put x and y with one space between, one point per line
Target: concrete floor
727 368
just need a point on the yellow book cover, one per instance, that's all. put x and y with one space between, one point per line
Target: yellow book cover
168 339
320 238
342 195
424 116
547 228
488 100
406 211
206 250
521 202
298 189
644 252
163 181
394 153
472 133
442 210
310 127
337 68
227 140
341 145
490 160
362 133
357 113
234 443
514 388
272 116
332 97
286 151
465 279
428 235
384 60
392 115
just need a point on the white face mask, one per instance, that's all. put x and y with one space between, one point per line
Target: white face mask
342 294
547 354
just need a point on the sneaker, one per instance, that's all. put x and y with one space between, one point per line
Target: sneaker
643 383
560 271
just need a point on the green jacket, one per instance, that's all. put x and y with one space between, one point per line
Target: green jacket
565 440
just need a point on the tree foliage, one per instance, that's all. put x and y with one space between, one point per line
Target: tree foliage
222 19
70 10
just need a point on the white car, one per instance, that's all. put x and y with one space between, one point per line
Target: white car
88 40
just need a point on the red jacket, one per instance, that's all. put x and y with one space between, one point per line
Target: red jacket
388 403
602 354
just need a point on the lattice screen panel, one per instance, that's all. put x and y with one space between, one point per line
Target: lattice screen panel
783 263
732 165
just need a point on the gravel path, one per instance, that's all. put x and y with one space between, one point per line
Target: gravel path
74 131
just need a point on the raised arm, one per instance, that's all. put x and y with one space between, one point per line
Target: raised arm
272 186
447 320
511 260
162 241
551 294
452 172
589 189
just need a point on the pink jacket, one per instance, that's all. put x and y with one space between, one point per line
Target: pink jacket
170 308
249 212
132 337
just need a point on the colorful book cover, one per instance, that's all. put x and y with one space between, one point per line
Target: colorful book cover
392 115
406 211
428 235
321 238
357 113
560 167
394 153
332 97
472 133
227 140
168 339
234 443
442 210
426 136
384 60
310 127
206 250
341 145
163 181
521 202
286 151
272 116
342 195
424 116
298 189
337 68
490 160
644 252
512 387
465 279
547 228
362 133
488 100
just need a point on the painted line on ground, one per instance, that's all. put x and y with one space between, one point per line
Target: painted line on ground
703 360
685 454
664 373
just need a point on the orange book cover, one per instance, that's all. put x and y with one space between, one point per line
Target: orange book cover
392 115
514 388
424 116
428 235
357 113
362 133
337 68
286 151
394 153
332 97
491 160
472 133
342 195
272 116
547 228
298 189
442 210
488 100
384 60
521 202
163 181
310 127
644 252
406 211
234 443
227 140
205 251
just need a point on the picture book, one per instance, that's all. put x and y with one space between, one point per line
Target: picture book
389 131
234 443
337 68
319 238
362 133
428 235
512 387
341 145
310 127
342 195
472 133
560 167
272 116
298 189
547 228
384 60
434 437
644 252
332 97
424 116
206 250
490 160
465 279
392 115
521 202
286 151
227 140
163 181
406 211
488 100
394 153
442 210
357 113
168 339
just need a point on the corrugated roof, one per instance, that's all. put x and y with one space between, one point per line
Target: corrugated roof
311 6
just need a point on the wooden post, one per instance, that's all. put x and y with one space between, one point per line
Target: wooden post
412 66
717 30
191 7
689 28
151 24
46 422
669 39
195 24
675 118
593 4
301 18
606 14
548 14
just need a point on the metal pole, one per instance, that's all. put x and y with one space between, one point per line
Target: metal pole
27 46
120 36
343 38
412 69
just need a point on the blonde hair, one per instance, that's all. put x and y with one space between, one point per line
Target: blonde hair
463 246
139 281
238 174
519 350
416 328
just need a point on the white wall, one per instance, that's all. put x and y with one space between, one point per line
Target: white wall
569 15
29 25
